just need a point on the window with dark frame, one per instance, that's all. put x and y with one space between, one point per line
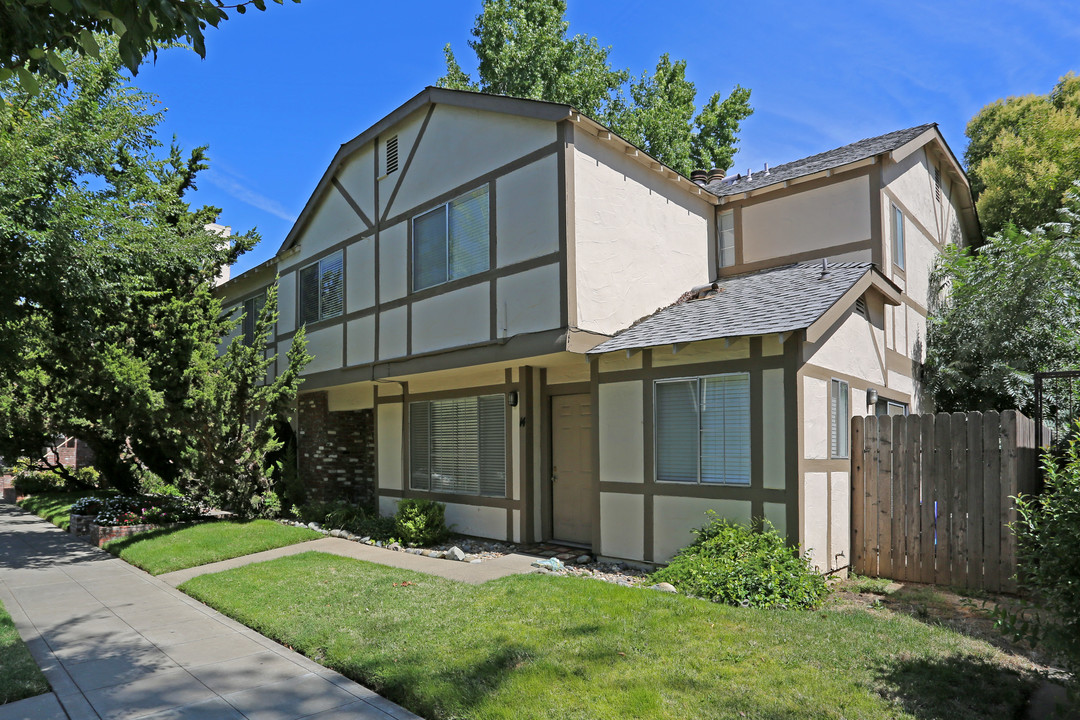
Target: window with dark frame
252 309
451 241
702 429
458 446
322 289
840 419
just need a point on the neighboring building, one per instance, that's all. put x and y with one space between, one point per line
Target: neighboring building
491 293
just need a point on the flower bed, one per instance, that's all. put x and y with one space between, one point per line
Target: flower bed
108 518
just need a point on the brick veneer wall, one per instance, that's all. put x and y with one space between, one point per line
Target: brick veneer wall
336 451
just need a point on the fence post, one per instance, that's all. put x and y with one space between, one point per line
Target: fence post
974 482
958 500
1007 488
858 495
927 526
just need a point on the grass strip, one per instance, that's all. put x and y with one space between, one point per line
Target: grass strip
534 647
166 550
20 676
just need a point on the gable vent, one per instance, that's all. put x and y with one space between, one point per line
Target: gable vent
391 155
937 184
860 306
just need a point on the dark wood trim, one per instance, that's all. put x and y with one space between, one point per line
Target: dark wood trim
508 453
648 448
714 367
567 224
408 300
406 463
708 491
594 403
877 222
352 203
793 420
757 430
475 390
545 458
527 445
472 184
573 388
376 249
375 446
476 500
405 167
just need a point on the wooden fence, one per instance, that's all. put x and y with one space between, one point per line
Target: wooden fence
931 496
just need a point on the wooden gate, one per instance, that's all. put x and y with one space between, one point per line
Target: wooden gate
931 496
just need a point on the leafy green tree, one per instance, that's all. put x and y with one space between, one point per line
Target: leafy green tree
523 50
1023 154
36 34
1003 313
109 329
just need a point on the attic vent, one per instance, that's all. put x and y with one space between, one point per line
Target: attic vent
937 184
860 306
391 155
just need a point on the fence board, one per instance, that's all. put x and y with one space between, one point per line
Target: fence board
1007 488
883 508
896 519
958 500
942 466
858 494
991 500
974 491
926 494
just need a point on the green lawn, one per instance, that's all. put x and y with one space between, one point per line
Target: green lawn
19 674
162 551
532 646
56 507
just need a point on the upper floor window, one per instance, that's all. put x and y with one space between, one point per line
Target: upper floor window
451 241
252 309
840 418
726 236
898 237
458 445
322 289
703 429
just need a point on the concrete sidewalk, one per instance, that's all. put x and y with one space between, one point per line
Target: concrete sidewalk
115 642
512 564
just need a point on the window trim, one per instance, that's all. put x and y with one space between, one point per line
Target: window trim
445 207
898 240
845 447
254 317
720 238
319 281
655 440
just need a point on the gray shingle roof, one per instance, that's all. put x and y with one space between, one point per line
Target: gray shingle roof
770 301
816 163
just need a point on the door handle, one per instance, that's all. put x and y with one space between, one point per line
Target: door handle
554 474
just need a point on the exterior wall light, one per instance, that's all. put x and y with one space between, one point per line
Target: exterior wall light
871 396
512 398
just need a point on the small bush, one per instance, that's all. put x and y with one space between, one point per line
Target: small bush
740 565
421 522
1048 535
341 515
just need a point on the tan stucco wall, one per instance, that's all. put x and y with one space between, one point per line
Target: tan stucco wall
357 175
361 341
622 457
912 181
815 513
460 143
455 318
776 513
360 275
815 419
675 517
331 222
358 396
393 333
626 217
388 444
840 530
849 349
477 520
528 301
774 462
326 347
705 351
836 214
622 526
394 262
527 212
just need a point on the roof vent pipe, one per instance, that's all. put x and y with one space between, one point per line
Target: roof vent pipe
716 174
824 268
766 168
749 173
701 291
699 177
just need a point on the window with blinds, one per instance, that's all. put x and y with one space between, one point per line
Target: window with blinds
458 446
451 241
322 289
703 429
252 309
726 235
840 420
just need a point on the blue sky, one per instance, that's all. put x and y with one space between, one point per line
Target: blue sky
279 91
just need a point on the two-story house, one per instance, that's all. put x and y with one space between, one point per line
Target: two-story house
517 313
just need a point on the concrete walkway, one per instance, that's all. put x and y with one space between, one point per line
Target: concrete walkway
512 564
115 642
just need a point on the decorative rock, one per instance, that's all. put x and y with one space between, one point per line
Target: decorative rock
553 564
583 559
336 533
366 538
396 547
314 526
437 554
664 587
349 536
475 561
455 553
378 543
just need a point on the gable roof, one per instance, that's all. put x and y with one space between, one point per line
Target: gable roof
778 300
853 152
